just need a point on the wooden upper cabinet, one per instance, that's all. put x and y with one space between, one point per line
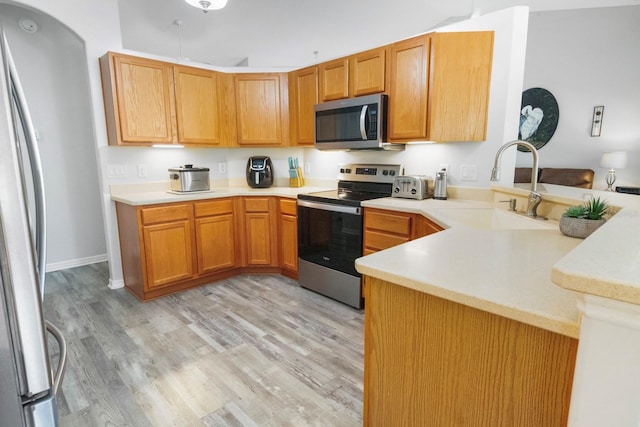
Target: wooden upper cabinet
368 72
139 100
262 109
440 86
303 95
334 79
407 116
197 100
357 75
460 84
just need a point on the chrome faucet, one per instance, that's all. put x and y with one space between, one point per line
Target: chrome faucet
534 196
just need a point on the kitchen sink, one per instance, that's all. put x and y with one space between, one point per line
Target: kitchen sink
489 219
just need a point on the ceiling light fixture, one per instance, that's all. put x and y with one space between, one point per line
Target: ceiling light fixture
207 5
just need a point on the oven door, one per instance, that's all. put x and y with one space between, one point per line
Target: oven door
329 241
330 235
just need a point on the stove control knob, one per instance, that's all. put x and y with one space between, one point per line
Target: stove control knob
414 191
341 170
392 173
347 170
385 172
396 190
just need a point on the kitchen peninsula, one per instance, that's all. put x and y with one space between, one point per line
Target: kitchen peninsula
467 325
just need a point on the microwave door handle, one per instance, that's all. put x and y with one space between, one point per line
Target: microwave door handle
363 116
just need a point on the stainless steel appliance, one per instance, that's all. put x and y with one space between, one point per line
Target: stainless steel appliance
411 187
440 185
353 124
259 172
27 386
187 178
330 229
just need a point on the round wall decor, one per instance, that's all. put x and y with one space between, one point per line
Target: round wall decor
539 116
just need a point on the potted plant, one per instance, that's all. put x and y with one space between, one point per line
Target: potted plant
582 220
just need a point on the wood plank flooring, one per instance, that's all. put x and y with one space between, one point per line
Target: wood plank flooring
246 351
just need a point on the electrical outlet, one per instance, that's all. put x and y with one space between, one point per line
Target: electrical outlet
222 167
116 171
142 171
307 168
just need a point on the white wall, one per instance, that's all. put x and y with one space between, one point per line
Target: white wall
52 67
589 57
97 24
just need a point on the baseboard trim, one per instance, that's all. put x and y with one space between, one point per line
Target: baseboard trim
116 284
75 263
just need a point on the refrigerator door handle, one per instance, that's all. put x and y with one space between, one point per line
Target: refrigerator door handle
62 360
36 169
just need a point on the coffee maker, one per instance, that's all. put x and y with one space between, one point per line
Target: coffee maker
259 172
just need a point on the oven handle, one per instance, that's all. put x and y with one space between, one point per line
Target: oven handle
330 207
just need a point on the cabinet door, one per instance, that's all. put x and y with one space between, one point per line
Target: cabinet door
215 243
140 106
168 253
197 106
288 235
460 84
259 225
260 109
258 230
303 96
409 89
334 79
368 72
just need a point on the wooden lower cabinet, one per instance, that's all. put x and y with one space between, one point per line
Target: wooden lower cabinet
384 229
288 237
259 231
434 362
170 247
168 253
215 235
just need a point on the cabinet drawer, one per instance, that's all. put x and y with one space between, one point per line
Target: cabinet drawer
256 204
379 241
213 207
288 207
391 222
165 214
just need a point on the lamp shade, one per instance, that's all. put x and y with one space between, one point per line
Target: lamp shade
614 160
206 5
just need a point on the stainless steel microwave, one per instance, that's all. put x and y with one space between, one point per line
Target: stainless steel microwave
353 124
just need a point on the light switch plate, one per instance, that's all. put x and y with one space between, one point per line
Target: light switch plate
468 172
596 124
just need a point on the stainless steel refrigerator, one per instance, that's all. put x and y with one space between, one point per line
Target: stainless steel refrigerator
28 384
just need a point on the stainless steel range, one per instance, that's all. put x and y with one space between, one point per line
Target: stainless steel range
330 229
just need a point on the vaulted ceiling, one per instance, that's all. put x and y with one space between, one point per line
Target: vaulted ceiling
286 33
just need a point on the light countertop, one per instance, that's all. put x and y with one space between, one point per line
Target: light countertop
156 194
522 269
503 271
607 263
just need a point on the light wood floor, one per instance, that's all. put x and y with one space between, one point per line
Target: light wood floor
247 351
